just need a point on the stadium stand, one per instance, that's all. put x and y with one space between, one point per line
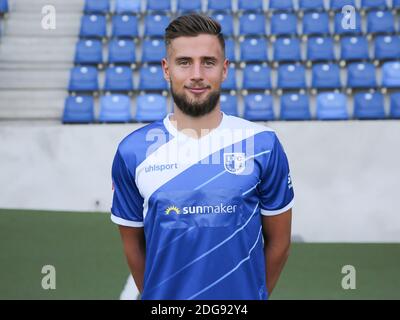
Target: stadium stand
369 106
150 107
229 104
295 107
258 107
115 108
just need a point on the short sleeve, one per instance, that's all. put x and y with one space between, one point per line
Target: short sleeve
275 188
127 203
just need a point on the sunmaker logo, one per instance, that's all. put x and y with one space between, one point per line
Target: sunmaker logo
217 209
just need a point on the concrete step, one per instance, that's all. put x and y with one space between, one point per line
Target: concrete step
37 5
32 79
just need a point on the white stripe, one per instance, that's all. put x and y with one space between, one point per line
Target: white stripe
230 272
252 188
173 240
279 211
127 223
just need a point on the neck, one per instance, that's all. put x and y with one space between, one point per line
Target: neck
196 127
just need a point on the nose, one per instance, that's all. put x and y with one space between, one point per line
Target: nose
197 73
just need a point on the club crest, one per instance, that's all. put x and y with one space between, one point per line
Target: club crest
234 163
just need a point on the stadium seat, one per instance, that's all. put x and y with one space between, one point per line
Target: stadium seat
391 74
281 5
326 76
291 76
316 23
295 107
4 8
153 50
337 5
369 106
361 75
115 108
127 6
354 48
339 30
320 49
305 5
118 79
254 5
230 50
219 5
229 104
283 24
83 79
97 6
253 50
373 4
252 24
387 47
152 79
286 49
158 5
256 77
380 22
121 51
150 107
395 105
189 5
154 25
93 26
396 4
124 26
79 109
258 107
230 82
88 52
226 22
332 106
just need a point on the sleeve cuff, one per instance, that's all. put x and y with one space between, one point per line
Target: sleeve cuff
126 223
279 211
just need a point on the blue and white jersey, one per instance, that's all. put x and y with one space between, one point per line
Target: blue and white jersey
201 203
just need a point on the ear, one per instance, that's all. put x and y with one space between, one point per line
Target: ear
165 67
225 69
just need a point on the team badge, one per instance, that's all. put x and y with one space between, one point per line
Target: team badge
234 163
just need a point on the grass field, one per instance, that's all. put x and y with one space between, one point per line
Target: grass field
86 251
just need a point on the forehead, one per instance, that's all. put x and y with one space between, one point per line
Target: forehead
199 46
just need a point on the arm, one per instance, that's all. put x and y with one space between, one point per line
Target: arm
135 251
277 233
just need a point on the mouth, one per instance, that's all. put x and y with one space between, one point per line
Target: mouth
197 90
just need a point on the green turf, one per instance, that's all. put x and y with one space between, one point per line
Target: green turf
86 251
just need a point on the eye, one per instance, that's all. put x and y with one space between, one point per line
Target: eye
183 62
210 63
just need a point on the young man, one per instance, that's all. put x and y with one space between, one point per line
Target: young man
196 194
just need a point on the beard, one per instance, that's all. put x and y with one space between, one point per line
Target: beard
193 108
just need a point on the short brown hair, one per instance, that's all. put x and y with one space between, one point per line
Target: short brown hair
193 25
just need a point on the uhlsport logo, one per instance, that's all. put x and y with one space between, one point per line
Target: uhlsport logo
235 162
205 209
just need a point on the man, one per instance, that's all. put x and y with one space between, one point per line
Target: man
196 194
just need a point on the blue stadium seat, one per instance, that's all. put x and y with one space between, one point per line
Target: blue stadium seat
93 26
115 108
396 4
4 8
253 50
254 5
219 5
283 24
373 4
119 79
291 76
332 106
127 6
189 5
320 49
337 5
252 24
79 109
226 22
230 82
124 26
287 49
256 77
152 79
258 107
391 74
154 25
316 23
326 76
121 51
369 106
354 48
153 50
387 47
88 52
380 22
361 75
97 6
229 104
158 5
83 79
295 107
283 5
230 50
305 5
151 107
339 30
395 105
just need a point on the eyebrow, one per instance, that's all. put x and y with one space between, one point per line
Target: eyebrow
190 58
